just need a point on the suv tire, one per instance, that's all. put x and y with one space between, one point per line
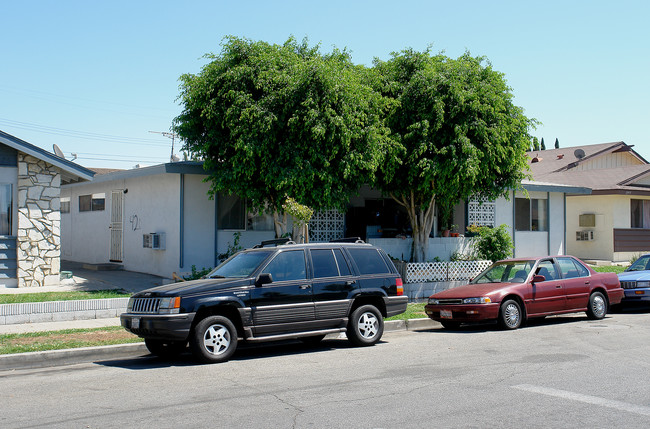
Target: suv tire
366 326
214 339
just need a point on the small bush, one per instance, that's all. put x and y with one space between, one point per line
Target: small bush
492 243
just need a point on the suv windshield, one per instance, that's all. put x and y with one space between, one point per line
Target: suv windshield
506 272
240 265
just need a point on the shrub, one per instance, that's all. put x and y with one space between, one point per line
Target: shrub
492 243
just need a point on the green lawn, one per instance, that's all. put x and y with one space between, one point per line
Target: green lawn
609 269
14 298
66 339
413 311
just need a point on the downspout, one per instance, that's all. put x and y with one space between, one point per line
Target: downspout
565 236
181 235
548 223
216 228
514 242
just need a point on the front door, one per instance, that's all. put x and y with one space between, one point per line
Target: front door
286 304
117 209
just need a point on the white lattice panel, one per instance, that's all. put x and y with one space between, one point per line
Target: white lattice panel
481 212
444 271
465 270
326 225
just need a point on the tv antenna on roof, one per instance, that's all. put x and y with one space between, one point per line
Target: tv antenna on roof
171 136
57 151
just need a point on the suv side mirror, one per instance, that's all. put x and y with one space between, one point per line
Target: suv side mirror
538 279
264 278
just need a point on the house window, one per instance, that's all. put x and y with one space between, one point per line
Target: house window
640 213
231 212
65 204
6 203
531 214
94 202
259 221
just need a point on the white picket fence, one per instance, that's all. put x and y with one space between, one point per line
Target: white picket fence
418 272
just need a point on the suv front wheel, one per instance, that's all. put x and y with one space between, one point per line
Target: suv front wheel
366 326
214 339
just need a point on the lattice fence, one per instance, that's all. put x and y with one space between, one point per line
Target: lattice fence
326 225
481 212
444 271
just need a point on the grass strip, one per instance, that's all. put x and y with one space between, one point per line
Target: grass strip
15 298
413 311
65 339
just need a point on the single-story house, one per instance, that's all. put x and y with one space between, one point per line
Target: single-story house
30 184
613 222
159 220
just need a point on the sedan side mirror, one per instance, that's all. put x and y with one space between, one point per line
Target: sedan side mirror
264 278
538 279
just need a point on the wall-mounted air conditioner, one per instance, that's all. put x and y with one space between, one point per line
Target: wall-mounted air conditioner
585 235
154 240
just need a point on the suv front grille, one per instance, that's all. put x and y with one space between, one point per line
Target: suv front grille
628 285
145 305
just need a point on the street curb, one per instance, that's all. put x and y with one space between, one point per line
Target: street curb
51 358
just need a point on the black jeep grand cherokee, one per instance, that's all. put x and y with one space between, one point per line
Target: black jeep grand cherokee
272 293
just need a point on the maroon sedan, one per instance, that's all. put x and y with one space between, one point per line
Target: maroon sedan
513 290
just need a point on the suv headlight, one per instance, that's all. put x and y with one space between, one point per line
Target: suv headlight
480 300
170 305
643 284
433 301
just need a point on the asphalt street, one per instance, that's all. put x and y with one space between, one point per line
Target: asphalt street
560 372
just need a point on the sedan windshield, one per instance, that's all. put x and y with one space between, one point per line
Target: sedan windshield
506 272
240 266
640 264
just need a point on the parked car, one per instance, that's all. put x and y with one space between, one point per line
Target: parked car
287 291
635 280
514 290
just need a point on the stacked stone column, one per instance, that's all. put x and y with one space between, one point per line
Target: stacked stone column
38 247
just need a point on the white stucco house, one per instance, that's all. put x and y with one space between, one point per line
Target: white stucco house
612 223
30 184
159 220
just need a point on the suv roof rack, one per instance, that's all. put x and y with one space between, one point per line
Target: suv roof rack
276 242
348 240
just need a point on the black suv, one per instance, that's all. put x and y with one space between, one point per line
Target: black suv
288 291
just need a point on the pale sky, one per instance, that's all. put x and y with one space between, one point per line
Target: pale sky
95 77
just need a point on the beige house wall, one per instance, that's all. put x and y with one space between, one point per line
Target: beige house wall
612 211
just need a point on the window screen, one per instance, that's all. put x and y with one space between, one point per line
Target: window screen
231 212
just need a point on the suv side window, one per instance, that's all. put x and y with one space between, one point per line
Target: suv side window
369 261
324 263
344 269
288 265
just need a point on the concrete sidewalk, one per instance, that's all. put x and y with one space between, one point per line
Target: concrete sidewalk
22 318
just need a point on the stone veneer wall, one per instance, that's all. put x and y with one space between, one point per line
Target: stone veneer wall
38 247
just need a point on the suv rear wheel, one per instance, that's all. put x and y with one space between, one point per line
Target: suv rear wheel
214 339
366 326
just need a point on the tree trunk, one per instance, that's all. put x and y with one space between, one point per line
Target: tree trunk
280 224
421 219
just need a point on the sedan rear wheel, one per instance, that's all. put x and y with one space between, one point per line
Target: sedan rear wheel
510 314
597 306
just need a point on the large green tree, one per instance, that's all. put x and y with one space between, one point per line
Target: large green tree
456 134
277 121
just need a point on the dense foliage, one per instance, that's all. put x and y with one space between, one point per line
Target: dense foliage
492 244
456 133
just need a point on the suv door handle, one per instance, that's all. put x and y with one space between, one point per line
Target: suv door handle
305 287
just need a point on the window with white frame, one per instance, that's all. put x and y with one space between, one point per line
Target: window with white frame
94 202
531 214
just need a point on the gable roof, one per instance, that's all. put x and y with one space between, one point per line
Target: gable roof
70 171
562 166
